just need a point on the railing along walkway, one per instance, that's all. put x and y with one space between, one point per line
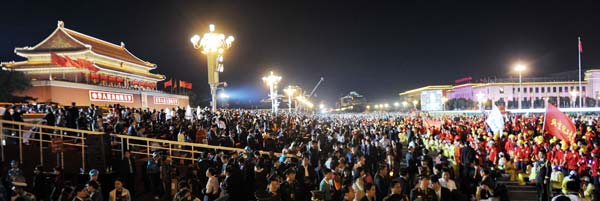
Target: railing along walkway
61 139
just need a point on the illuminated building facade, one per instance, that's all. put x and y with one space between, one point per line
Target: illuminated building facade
535 91
69 66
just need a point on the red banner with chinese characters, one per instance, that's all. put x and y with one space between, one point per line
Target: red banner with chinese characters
165 100
559 124
104 96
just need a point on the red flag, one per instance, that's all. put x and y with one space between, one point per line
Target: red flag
185 85
168 83
559 125
181 84
57 60
70 62
580 46
430 122
87 65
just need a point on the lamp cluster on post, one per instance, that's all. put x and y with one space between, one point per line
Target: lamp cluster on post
480 100
305 102
520 68
213 45
272 80
574 94
290 91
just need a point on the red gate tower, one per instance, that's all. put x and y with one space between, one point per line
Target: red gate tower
69 66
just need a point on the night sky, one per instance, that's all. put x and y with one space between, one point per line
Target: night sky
376 48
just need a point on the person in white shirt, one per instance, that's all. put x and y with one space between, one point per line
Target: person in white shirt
211 191
446 182
572 194
119 193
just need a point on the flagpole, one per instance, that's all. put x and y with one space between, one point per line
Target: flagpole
544 124
580 88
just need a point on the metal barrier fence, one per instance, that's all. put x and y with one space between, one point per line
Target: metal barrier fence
24 133
174 149
73 139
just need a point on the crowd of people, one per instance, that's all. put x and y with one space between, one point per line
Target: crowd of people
371 156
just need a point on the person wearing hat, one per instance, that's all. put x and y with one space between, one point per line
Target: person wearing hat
542 179
94 174
572 176
572 158
14 173
422 192
20 193
153 172
587 188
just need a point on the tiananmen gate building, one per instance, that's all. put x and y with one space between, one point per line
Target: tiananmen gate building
69 66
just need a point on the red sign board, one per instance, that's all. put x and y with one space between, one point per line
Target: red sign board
56 145
111 97
165 100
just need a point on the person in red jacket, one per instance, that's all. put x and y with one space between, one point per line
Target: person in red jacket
509 146
493 153
558 156
589 135
526 154
572 159
582 163
520 157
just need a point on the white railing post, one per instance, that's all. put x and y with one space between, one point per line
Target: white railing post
123 148
62 152
41 147
83 152
2 140
20 145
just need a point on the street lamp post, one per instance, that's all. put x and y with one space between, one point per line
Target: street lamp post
444 100
272 80
520 68
213 45
480 99
574 97
290 92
